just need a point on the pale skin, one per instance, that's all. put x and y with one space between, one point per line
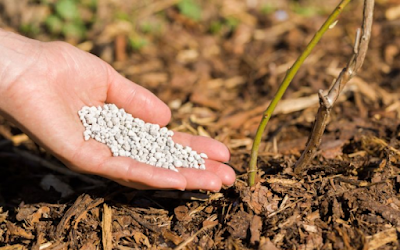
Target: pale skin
44 85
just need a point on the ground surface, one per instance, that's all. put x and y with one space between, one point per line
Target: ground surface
217 71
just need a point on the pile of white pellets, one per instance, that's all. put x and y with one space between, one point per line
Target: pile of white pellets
132 137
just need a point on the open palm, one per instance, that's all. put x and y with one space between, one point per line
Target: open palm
56 80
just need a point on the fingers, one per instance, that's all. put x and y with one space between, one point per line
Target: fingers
201 179
212 179
137 100
224 172
135 174
214 149
138 175
95 158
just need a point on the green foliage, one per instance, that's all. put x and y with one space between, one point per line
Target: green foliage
29 29
54 24
150 27
216 27
45 2
137 42
67 9
120 15
224 26
66 19
190 9
307 11
89 3
232 22
74 30
267 9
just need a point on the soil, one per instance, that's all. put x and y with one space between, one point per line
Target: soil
217 74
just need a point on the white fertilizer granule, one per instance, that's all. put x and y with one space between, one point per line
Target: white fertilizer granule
132 137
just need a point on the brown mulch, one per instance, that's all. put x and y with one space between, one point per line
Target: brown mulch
217 75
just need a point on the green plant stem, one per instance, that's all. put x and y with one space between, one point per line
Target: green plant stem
285 83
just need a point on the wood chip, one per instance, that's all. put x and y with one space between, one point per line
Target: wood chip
106 226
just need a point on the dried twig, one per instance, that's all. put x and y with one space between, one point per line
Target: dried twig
285 83
78 206
191 238
327 101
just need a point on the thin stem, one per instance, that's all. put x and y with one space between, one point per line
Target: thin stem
285 83
327 102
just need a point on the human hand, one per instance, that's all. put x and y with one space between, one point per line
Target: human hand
43 85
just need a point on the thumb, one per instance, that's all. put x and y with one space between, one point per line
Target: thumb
135 99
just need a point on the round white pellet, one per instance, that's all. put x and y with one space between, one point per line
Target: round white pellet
178 163
158 155
126 146
132 137
173 168
95 128
163 131
203 155
122 152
